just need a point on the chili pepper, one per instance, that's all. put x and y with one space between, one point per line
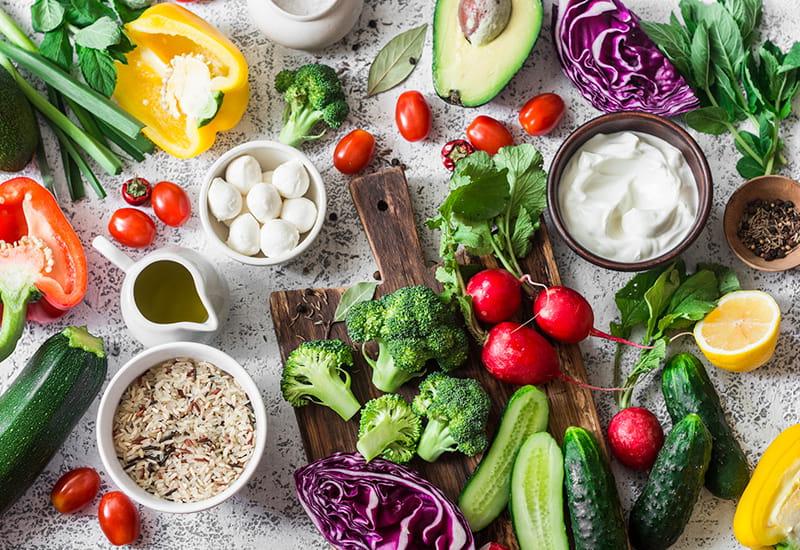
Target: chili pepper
41 259
136 191
454 151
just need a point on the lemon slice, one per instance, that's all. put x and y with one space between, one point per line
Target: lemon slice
740 335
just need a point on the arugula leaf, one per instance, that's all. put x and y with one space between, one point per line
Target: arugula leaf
98 69
695 298
658 298
709 120
99 35
56 47
85 12
46 15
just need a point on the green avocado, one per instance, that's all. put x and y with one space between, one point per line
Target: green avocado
470 74
19 133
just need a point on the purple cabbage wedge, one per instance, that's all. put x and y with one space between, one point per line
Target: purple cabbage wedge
378 505
613 63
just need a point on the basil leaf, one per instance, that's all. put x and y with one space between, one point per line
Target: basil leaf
709 120
726 277
356 294
98 70
727 49
396 60
524 229
673 41
792 59
57 48
99 35
46 15
85 12
747 14
658 298
700 58
749 168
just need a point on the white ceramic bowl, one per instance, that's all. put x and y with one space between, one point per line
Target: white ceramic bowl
132 370
270 154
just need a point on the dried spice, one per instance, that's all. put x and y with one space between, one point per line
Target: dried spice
770 228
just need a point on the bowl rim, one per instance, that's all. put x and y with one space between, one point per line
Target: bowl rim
245 148
589 129
137 365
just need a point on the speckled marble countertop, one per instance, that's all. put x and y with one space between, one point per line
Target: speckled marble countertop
266 514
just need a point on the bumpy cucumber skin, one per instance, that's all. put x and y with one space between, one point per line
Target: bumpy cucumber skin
534 532
688 389
485 495
592 498
662 511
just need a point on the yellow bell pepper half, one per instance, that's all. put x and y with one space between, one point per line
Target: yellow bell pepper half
768 513
165 33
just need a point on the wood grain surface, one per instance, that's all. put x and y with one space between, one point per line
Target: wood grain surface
384 206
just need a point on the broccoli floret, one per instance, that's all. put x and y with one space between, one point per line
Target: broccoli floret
389 428
315 373
411 326
457 410
313 95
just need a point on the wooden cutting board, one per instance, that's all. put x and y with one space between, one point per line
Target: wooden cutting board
384 206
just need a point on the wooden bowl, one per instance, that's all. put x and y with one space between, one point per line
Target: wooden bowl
766 188
647 124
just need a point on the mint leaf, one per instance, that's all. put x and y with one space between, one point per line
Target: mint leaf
747 14
709 120
125 12
98 70
99 35
792 59
46 15
85 12
749 168
727 48
726 277
673 41
56 47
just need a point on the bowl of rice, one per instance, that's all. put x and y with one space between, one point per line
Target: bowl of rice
181 427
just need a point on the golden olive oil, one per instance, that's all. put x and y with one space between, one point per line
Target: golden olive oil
165 293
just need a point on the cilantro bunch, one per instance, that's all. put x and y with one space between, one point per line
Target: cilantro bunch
493 208
714 48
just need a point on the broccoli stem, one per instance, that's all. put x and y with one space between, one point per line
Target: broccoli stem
375 441
298 127
332 392
385 375
435 441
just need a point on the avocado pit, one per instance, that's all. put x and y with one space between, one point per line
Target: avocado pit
482 21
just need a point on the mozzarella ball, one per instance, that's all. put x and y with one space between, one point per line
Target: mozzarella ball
243 235
224 200
266 177
243 211
264 202
243 173
302 213
278 238
291 179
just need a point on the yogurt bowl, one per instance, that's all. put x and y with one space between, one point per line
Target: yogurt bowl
270 155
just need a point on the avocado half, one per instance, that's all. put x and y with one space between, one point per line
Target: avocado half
19 133
469 75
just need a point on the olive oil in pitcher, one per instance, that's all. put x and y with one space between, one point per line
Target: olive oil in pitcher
165 293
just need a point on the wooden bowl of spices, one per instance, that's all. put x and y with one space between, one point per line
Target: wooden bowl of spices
762 223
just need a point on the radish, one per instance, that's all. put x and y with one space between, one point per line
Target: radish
635 437
566 316
496 295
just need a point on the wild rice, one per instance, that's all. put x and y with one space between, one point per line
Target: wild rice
184 430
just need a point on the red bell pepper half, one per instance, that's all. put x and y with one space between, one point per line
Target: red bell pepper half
42 261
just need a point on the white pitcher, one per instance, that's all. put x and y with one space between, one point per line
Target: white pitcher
210 286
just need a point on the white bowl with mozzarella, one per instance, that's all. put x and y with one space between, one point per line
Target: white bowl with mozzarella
243 215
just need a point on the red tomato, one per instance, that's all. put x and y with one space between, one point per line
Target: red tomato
487 134
132 227
75 489
413 116
171 204
354 152
119 518
541 115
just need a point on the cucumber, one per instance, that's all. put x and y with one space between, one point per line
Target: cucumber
661 512
688 389
485 494
43 404
592 498
537 495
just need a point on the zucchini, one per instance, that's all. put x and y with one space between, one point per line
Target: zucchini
688 389
661 512
43 404
485 494
592 498
537 495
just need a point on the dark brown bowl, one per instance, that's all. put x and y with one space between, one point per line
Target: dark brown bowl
765 188
647 124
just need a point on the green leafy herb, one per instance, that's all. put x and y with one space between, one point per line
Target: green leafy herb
56 47
97 68
101 34
737 81
46 15
658 298
396 60
359 292
649 360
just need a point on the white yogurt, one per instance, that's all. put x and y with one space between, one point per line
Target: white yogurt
628 196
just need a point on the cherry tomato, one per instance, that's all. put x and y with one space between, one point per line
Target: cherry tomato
136 191
489 135
541 115
132 227
119 518
75 489
413 116
354 152
171 204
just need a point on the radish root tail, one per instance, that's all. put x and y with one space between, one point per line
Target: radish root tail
606 336
584 385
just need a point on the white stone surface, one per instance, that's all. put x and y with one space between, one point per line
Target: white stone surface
266 514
